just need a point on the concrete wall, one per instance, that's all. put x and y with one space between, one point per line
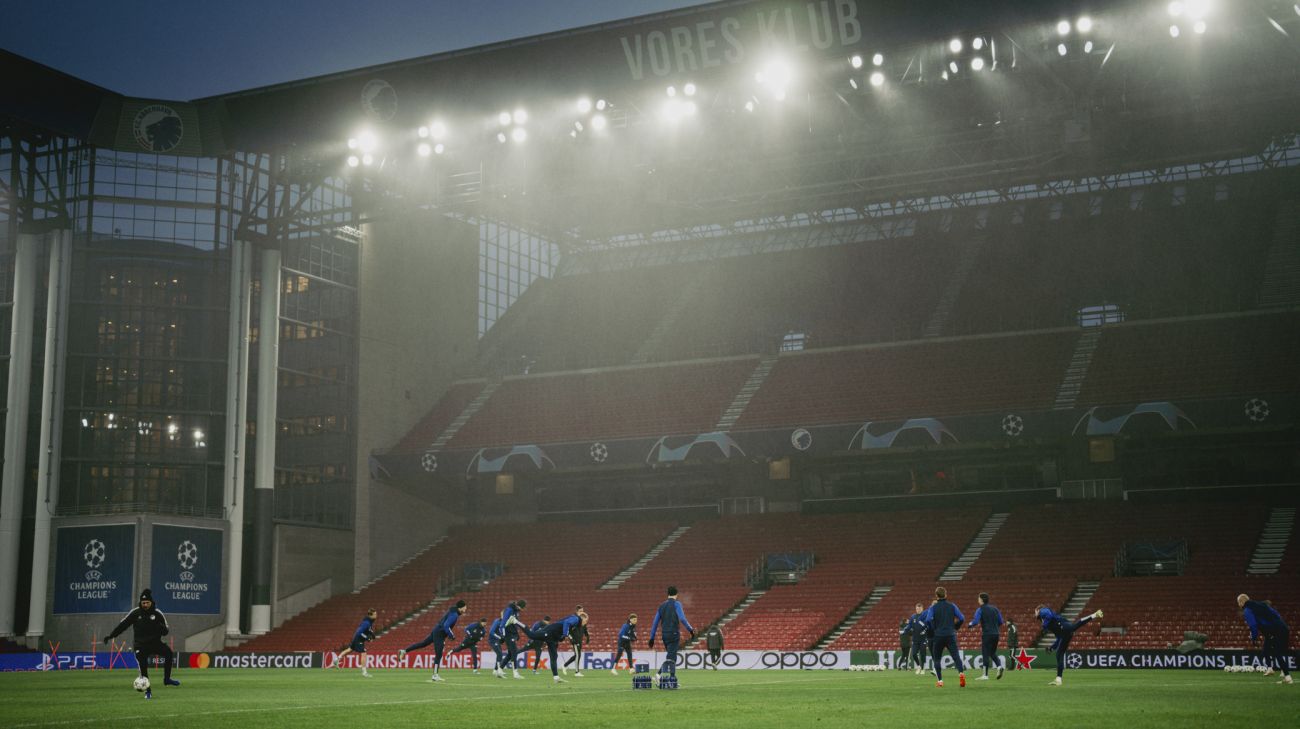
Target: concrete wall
305 557
419 304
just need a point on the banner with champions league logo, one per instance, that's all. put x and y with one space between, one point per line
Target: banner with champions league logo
92 569
186 569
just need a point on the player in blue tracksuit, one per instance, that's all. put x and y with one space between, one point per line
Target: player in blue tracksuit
1064 631
989 619
626 637
536 646
495 634
553 634
364 632
473 634
920 641
942 620
510 624
670 617
1264 620
438 637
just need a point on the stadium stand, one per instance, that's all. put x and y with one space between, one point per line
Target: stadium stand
614 403
921 379
1244 355
451 404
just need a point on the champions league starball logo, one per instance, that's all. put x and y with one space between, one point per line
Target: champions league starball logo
429 461
1257 410
187 554
599 452
1074 660
158 128
94 553
1013 425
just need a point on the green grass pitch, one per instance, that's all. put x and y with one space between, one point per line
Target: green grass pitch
249 698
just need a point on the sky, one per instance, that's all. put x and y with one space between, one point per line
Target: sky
189 49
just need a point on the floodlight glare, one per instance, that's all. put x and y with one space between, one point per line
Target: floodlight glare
1173 31
944 75
422 132
423 149
952 66
501 137
353 161
854 83
600 104
877 60
578 126
438 130
1063 27
877 79
689 108
367 159
1199 27
519 134
598 122
749 106
504 118
779 94
1197 9
520 116
366 142
672 91
954 45
1084 24
584 105
352 142
978 43
1087 47
439 148
689 89
1061 50
1176 8
855 61
977 64
573 134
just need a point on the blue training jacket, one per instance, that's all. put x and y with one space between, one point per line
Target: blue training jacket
943 618
365 630
510 612
569 624
671 615
448 621
495 633
1262 618
989 619
627 632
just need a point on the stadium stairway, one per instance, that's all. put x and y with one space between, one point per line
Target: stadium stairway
617 580
731 615
957 570
667 323
747 392
470 410
1267 557
1281 284
937 326
1068 393
1083 592
875 596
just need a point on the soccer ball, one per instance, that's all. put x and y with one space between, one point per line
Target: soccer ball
141 683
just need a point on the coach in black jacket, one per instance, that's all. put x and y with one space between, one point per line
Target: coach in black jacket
150 626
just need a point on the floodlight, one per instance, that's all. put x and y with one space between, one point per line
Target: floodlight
977 64
598 122
1176 8
877 60
855 61
367 142
423 149
422 132
1173 31
520 116
519 134
439 148
877 79
672 91
952 66
1199 27
1087 47
584 105
689 89
352 142
954 45
1063 27
853 82
501 137
977 43
438 130
1061 50
1083 24
749 106
353 161
367 159
600 104
504 118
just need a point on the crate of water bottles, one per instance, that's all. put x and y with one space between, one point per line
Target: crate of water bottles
641 681
668 682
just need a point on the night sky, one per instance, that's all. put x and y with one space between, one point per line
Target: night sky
196 48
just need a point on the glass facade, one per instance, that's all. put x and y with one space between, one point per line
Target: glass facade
510 260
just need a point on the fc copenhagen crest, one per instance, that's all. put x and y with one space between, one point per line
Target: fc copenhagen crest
158 128
379 99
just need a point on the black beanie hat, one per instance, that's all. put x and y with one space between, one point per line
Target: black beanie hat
146 595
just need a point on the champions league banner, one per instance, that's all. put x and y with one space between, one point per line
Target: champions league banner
186 569
93 568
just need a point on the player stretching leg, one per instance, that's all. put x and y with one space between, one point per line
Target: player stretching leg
150 625
536 646
552 634
670 616
511 624
626 636
989 619
438 637
942 620
496 634
365 631
1064 631
1264 620
473 634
